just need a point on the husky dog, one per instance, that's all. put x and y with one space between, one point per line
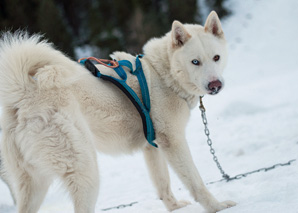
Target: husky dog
56 114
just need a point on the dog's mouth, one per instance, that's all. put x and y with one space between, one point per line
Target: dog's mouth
213 92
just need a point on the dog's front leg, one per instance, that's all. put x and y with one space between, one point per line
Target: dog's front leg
178 155
159 174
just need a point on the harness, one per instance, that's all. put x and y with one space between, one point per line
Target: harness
143 108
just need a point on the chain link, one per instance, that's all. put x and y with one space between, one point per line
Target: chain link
209 141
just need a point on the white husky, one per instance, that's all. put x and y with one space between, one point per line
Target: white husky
56 114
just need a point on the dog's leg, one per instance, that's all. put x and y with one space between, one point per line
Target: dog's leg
27 183
159 174
30 190
75 161
30 187
72 157
177 152
3 176
83 187
59 146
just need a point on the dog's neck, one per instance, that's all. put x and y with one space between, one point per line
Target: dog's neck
157 54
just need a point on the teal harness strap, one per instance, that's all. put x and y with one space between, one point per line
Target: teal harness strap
141 78
143 109
143 83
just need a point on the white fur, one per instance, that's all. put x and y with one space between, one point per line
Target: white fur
56 114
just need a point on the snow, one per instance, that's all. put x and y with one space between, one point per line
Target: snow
253 124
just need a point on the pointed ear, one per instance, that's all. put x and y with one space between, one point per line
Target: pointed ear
213 25
179 34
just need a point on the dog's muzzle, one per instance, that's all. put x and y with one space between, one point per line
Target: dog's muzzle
214 87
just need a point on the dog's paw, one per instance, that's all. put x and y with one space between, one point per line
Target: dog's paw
220 206
225 204
179 204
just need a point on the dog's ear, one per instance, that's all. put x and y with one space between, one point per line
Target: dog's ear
179 34
213 25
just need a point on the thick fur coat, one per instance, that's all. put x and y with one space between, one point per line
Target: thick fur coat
56 114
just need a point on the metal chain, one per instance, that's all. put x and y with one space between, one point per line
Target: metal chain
120 206
212 151
262 169
237 177
209 141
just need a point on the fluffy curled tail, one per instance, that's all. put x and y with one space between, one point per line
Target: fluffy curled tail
21 58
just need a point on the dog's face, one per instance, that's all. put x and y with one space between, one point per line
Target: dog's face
199 55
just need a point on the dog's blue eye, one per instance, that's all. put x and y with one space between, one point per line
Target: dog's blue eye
195 62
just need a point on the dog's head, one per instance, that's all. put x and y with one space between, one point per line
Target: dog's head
199 55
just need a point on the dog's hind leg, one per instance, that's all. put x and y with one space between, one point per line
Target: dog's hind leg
55 145
75 160
30 190
159 174
82 185
28 185
70 155
4 177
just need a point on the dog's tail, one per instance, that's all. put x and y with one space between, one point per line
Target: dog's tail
21 57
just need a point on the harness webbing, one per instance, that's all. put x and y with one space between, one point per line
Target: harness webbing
143 109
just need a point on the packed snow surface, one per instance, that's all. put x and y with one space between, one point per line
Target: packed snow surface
253 124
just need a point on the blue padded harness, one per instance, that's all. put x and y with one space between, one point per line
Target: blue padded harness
143 108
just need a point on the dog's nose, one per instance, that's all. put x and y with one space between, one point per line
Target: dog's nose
214 86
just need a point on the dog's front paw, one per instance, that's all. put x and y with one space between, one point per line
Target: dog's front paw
225 204
179 204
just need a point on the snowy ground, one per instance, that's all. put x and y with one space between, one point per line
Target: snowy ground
253 123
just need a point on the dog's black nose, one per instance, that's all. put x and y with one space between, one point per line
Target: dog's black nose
215 86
